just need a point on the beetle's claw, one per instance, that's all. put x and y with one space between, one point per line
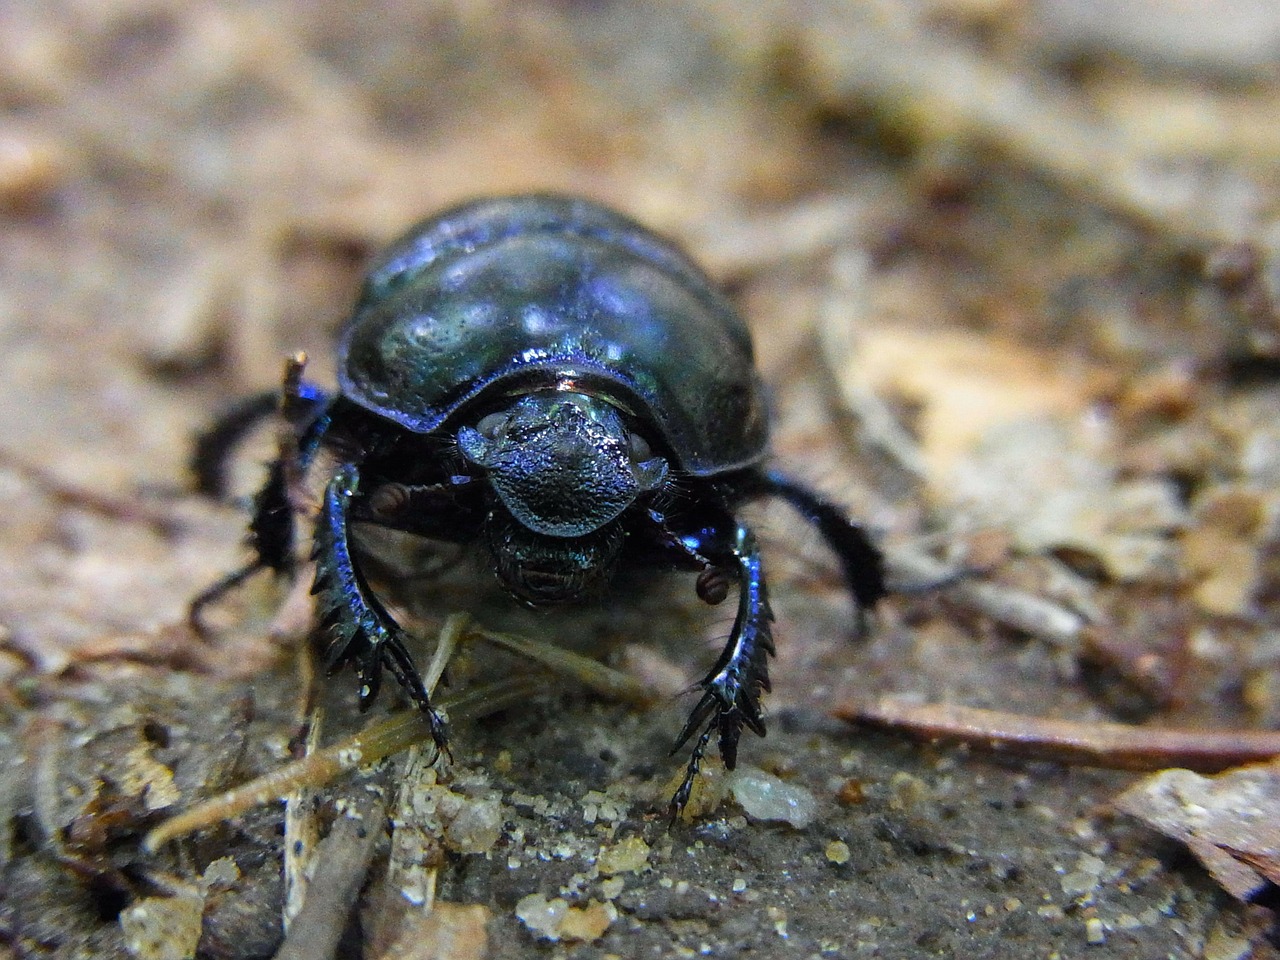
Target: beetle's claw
371 649
680 799
395 657
723 714
700 715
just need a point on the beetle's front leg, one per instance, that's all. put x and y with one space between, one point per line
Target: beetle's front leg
731 691
362 631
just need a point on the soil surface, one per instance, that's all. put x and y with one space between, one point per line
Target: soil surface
1012 271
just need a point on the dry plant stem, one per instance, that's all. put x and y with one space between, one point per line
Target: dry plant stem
301 832
307 713
1114 745
342 862
404 729
47 738
594 675
413 862
843 312
742 245
1017 609
304 852
451 635
382 739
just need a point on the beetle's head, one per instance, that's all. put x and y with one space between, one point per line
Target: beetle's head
565 467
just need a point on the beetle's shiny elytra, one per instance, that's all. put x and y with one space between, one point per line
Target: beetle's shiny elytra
529 293
537 374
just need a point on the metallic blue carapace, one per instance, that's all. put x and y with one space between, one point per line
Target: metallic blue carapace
505 296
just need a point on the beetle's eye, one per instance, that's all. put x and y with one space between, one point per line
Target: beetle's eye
639 448
489 426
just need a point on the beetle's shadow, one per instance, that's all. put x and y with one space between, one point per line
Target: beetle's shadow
658 609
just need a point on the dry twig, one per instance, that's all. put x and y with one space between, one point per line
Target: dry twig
1115 745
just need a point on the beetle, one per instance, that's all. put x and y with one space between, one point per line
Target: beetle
553 380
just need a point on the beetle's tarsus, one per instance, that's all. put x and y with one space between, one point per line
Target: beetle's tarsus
680 799
361 630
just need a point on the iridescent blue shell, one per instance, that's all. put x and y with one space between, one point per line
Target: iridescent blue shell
500 297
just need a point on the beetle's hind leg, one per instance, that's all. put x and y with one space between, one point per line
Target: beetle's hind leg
860 559
271 528
361 630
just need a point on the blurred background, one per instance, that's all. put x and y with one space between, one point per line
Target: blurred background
1012 267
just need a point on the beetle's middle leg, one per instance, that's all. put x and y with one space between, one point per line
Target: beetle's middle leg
271 529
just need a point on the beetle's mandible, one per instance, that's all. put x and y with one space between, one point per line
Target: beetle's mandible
538 373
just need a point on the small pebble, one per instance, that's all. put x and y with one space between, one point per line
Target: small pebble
163 928
542 916
587 923
765 797
628 856
1093 932
851 793
906 792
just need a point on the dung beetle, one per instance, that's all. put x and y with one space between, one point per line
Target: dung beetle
551 379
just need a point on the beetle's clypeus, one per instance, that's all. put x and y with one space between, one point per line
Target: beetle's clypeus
538 373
